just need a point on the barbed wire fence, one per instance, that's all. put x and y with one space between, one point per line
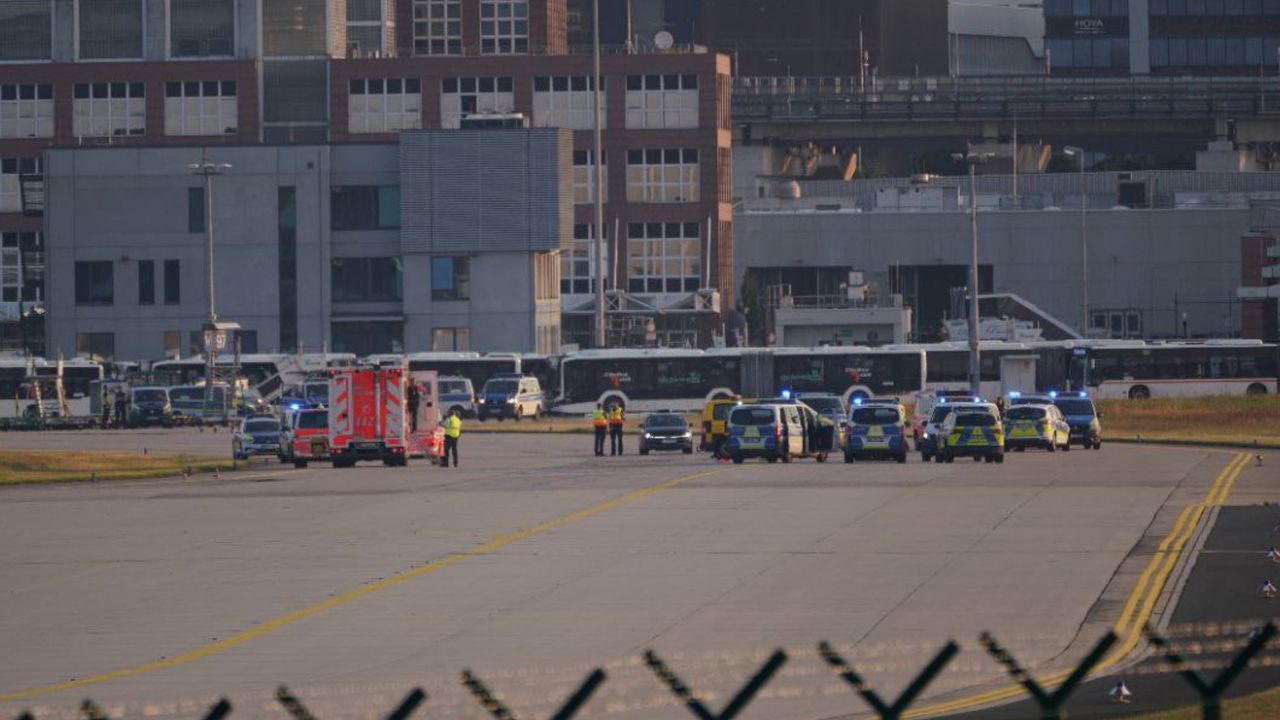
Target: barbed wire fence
1224 649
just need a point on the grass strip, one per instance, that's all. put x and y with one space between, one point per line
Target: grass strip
1259 706
49 466
1240 421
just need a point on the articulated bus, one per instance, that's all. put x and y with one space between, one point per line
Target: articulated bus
471 365
1004 367
683 380
16 398
1137 370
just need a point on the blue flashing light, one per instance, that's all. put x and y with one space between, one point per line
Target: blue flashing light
1084 394
1015 394
295 406
1053 394
857 401
786 394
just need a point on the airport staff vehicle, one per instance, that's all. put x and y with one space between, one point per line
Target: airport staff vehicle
256 436
1082 417
715 425
305 437
665 431
877 431
510 396
974 433
367 418
1039 426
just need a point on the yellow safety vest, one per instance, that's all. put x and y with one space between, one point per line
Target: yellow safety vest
615 417
598 419
453 427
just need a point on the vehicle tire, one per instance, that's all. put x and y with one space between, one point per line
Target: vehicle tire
737 459
644 451
950 459
1000 459
300 464
1018 448
688 451
822 457
1051 447
772 459
848 458
939 459
977 459
1097 445
389 462
786 457
1256 389
1066 447
902 459
1139 392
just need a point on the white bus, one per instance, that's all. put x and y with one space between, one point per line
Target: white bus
1004 367
16 396
851 372
1138 370
254 367
471 365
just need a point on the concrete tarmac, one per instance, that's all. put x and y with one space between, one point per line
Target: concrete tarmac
534 563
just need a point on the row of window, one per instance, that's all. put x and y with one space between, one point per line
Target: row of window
661 258
1161 8
381 279
101 346
115 29
1165 52
95 282
437 27
21 268
1086 8
107 109
11 172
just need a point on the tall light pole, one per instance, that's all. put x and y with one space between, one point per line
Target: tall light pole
973 160
208 169
1084 241
598 169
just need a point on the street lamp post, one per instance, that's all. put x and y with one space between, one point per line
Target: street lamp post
208 169
598 170
973 160
1084 241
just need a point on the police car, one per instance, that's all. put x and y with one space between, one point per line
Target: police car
930 441
1039 426
877 430
971 433
1082 417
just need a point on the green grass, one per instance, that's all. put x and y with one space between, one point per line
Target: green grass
1260 706
47 466
1227 420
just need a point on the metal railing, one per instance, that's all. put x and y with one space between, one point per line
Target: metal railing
1049 695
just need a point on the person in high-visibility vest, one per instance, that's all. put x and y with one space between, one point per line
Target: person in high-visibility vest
452 431
616 419
601 425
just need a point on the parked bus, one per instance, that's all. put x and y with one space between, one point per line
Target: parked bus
16 373
645 380
1004 367
471 365
850 372
255 368
1136 370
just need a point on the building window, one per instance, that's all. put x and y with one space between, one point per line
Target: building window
377 279
11 172
663 257
377 105
110 29
584 177
109 109
207 107
96 345
578 266
451 339
95 282
662 101
366 31
247 341
11 282
30 247
287 257
469 96
195 210
663 176
437 27
450 278
567 102
25 30
172 283
202 28
26 111
146 282
504 27
546 276
365 207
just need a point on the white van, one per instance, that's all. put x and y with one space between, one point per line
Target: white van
509 395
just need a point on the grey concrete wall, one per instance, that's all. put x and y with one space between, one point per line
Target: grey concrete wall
1137 258
499 318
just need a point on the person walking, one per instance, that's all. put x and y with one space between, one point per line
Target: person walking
601 425
452 431
616 419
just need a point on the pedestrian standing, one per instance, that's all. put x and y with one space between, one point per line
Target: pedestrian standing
452 431
106 405
412 402
122 407
616 419
600 424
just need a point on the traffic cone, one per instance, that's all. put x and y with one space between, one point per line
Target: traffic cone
1268 590
1120 693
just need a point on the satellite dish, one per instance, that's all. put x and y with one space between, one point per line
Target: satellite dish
663 40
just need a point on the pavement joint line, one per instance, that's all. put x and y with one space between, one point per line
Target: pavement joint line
1143 600
493 545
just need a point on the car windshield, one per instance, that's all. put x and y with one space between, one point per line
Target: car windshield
664 421
752 416
1072 406
721 410
453 387
975 419
1025 412
149 396
188 393
1026 401
500 386
875 416
313 420
824 405
940 413
261 426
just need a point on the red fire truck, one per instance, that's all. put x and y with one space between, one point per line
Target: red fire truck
367 416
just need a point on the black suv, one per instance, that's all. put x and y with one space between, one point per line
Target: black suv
665 431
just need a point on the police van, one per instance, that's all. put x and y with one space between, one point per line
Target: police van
510 395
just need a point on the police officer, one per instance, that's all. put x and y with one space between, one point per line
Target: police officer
600 424
122 407
452 431
616 419
106 405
